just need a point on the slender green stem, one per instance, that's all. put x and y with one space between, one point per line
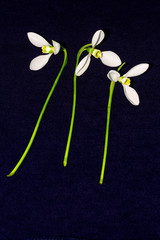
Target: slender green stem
112 85
82 49
120 67
40 117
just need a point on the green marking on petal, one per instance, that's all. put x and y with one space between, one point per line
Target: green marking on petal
128 81
47 49
95 52
124 80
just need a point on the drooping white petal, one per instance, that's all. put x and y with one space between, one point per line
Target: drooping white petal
57 47
113 75
83 65
37 40
131 94
137 70
110 59
97 38
39 62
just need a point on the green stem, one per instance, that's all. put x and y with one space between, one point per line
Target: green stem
120 67
112 85
82 49
40 116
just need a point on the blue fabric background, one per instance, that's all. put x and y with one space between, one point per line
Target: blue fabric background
44 200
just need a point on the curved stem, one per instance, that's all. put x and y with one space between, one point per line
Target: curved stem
82 49
112 85
40 117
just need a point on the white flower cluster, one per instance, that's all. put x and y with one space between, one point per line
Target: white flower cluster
111 59
108 58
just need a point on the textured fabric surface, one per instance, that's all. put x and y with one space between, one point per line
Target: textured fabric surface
44 200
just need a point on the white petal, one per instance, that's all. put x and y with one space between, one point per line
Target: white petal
137 70
113 75
37 40
97 38
57 47
83 65
131 94
110 59
39 62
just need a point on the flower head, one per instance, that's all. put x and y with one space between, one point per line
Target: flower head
38 41
108 58
129 92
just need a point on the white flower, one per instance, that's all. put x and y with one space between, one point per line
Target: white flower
129 92
38 41
108 58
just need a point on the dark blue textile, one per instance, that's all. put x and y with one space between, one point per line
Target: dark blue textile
44 200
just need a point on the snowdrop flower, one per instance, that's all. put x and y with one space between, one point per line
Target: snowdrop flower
36 64
38 41
108 58
129 92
